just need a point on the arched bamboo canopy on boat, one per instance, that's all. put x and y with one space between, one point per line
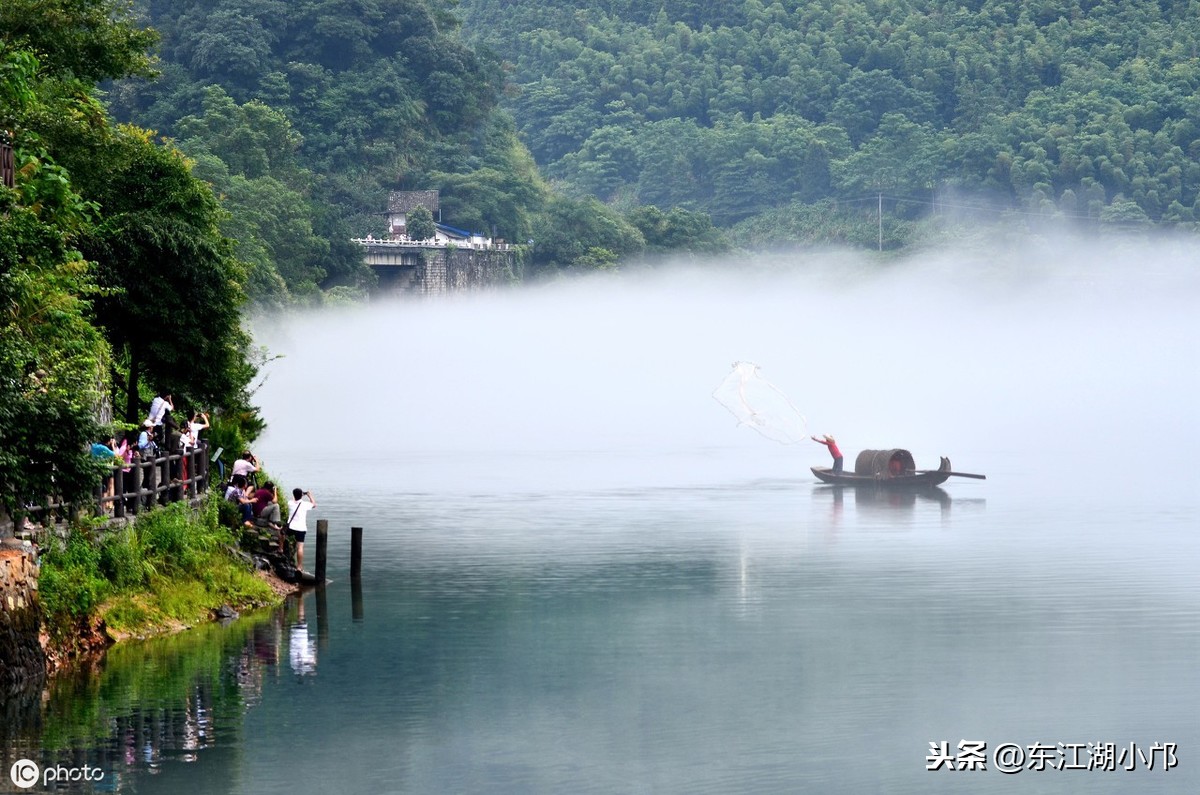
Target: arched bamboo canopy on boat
884 463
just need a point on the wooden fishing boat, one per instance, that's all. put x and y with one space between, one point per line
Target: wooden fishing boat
892 469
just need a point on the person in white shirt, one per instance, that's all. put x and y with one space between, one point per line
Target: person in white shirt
158 409
246 466
198 423
302 503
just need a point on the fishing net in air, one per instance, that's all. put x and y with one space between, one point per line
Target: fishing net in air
759 404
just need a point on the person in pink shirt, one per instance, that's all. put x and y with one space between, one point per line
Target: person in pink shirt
831 443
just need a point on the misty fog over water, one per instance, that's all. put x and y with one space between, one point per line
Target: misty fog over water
1075 354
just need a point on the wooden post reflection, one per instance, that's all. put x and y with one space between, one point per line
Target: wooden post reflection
322 620
356 600
322 549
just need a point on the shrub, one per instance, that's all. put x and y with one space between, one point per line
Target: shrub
228 514
71 583
123 559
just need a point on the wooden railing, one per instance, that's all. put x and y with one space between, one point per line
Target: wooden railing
149 482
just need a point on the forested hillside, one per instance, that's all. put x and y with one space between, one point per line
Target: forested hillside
1079 109
305 114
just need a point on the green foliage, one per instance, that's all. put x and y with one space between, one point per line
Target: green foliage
228 431
825 224
596 259
420 224
677 230
228 514
582 234
124 560
71 584
165 266
105 237
249 154
88 40
53 361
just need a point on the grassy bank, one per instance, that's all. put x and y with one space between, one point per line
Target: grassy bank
168 569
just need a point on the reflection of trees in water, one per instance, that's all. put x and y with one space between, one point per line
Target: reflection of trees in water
145 703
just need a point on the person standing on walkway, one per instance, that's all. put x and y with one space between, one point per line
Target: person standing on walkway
302 503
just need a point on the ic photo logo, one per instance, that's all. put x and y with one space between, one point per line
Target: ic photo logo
24 773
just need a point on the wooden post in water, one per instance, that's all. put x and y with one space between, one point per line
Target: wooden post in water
356 534
322 549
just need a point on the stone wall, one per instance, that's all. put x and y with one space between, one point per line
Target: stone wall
21 657
457 270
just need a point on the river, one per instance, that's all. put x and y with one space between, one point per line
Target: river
581 575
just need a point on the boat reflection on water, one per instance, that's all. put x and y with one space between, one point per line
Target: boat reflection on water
872 497
898 498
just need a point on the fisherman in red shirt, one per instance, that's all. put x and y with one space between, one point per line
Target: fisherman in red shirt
829 442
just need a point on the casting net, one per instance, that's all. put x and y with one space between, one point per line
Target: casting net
759 404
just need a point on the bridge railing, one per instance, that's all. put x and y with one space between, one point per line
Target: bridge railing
388 242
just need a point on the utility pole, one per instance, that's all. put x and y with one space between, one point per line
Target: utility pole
879 214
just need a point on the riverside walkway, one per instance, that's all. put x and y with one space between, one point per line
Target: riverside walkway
149 482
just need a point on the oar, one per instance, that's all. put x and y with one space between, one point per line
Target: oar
959 474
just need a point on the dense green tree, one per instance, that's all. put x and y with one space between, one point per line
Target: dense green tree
678 230
376 96
577 234
83 40
420 224
172 285
53 361
377 91
249 154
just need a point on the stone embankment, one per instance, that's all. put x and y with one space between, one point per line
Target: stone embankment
21 656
